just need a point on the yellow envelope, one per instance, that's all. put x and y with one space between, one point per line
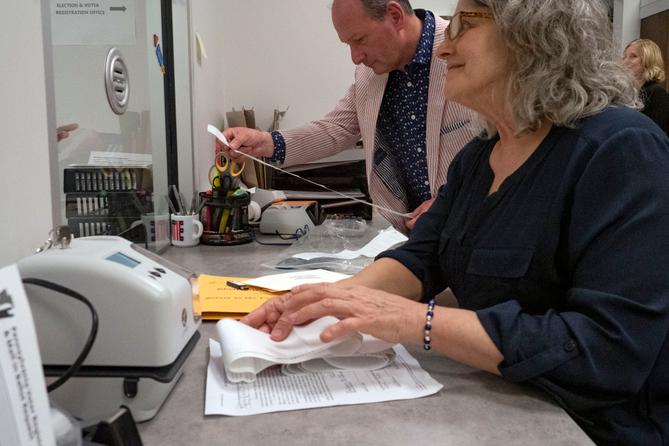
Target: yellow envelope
218 300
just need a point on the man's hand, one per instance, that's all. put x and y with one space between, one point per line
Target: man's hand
410 222
247 141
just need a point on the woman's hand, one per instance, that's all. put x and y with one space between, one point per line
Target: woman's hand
365 310
265 316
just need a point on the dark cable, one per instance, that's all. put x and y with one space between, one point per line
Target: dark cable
299 233
74 368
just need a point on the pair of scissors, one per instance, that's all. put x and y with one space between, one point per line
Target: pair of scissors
223 173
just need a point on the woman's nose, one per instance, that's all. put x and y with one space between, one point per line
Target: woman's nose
445 49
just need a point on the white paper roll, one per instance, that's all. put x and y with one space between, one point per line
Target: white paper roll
254 212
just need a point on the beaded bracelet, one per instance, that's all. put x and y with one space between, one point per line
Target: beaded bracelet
427 340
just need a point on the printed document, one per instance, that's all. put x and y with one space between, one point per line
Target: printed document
273 391
24 406
119 159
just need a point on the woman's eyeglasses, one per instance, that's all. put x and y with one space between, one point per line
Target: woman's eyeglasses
454 29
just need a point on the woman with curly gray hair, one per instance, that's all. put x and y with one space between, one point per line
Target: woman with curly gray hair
551 229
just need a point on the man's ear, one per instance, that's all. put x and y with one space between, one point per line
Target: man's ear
396 14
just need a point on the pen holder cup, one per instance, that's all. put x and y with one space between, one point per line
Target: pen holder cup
225 218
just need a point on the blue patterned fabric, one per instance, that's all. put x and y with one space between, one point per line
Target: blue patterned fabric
279 154
401 123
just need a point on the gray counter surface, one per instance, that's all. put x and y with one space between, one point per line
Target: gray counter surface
473 408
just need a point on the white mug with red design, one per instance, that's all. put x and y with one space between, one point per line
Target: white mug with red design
186 230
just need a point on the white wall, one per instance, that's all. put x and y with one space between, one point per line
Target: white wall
650 7
278 55
439 7
626 21
207 83
27 203
181 18
287 54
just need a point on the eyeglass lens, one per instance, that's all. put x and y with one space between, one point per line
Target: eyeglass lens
454 27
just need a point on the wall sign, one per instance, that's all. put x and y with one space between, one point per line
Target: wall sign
101 22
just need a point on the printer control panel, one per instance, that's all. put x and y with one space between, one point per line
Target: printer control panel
123 259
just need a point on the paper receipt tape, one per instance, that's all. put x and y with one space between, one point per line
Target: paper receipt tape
254 212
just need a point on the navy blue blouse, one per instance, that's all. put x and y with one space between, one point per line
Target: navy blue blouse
567 268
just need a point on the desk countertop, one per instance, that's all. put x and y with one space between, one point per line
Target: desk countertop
473 408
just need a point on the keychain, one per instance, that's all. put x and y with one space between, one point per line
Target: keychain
60 236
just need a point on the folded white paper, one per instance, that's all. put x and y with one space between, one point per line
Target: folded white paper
247 351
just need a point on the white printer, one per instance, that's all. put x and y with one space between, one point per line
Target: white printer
146 331
292 218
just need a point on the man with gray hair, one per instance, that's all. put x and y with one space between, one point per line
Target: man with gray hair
396 105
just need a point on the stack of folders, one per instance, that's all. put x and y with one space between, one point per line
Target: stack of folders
222 297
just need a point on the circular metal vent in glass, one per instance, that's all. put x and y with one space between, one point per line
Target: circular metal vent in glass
117 82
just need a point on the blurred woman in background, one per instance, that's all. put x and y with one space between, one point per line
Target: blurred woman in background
644 59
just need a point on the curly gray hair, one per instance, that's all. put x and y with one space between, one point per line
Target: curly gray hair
564 64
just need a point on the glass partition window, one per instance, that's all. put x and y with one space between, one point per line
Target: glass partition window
108 74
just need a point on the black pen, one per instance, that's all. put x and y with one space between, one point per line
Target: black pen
200 206
237 285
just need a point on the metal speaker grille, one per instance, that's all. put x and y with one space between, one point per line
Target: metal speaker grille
117 82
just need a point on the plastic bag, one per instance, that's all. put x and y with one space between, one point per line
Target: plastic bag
329 239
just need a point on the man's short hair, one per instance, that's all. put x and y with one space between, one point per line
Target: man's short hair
376 9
